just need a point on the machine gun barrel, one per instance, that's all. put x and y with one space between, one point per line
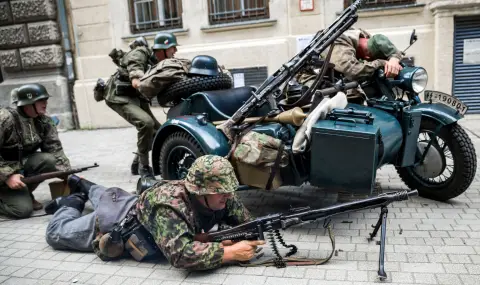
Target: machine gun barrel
315 47
369 203
254 229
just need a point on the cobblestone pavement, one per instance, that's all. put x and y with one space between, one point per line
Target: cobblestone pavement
428 242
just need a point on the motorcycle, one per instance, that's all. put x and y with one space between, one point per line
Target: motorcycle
330 143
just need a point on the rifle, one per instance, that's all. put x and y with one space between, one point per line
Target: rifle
270 224
318 44
56 174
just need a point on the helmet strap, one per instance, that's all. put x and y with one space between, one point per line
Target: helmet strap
206 202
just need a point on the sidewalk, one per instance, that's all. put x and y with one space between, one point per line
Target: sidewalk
427 242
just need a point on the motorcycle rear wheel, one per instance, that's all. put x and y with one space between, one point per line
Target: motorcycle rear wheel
464 160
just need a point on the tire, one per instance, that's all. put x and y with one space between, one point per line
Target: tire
186 87
464 159
178 141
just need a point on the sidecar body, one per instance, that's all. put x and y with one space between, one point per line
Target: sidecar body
346 149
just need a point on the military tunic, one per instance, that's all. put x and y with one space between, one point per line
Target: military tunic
38 133
167 213
346 62
131 104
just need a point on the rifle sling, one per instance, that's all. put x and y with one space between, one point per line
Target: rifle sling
296 261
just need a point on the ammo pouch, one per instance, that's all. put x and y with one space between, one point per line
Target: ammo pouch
124 88
133 237
99 90
139 242
257 157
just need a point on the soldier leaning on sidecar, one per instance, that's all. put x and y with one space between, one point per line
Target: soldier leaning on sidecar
121 92
24 130
357 55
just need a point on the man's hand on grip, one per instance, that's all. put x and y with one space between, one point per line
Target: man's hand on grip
15 182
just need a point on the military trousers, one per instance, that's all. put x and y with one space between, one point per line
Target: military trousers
17 203
137 112
69 230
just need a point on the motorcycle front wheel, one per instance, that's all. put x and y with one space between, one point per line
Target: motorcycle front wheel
449 166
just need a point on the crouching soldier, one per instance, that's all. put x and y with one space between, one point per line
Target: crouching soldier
162 220
23 131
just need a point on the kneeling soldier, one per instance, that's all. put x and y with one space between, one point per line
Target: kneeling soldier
162 220
23 131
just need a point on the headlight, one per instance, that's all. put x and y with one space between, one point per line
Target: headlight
419 80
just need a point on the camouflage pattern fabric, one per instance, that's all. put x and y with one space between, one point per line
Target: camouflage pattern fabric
163 74
259 150
211 174
166 212
38 133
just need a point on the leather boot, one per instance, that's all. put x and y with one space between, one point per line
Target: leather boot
146 171
134 166
79 185
76 201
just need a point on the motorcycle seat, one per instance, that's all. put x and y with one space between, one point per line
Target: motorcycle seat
217 104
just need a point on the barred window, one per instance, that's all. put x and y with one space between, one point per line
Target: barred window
380 3
154 15
230 11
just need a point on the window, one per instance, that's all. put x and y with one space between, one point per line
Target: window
380 3
154 15
230 11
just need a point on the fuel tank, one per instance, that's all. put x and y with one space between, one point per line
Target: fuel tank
350 145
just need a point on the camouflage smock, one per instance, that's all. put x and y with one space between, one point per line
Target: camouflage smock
39 132
345 59
166 212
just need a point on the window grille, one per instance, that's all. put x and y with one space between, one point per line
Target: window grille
231 11
380 3
155 15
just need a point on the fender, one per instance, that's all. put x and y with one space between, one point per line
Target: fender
211 140
438 112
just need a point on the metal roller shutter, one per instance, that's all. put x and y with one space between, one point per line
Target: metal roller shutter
466 71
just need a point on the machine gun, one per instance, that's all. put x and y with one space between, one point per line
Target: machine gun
270 224
307 56
56 174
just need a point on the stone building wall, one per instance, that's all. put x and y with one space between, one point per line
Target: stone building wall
31 51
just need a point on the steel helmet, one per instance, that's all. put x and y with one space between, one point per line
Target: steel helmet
30 93
164 40
204 65
211 174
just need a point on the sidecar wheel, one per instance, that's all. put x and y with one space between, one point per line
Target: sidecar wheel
178 153
439 181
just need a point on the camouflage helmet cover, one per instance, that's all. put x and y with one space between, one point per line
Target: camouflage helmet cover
164 41
211 174
29 93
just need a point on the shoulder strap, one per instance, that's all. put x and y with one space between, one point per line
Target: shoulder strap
18 129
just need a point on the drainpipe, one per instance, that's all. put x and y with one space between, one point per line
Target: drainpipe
70 70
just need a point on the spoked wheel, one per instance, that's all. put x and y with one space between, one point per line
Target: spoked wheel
177 155
449 165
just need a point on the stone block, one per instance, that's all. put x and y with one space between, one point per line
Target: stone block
5 13
33 10
13 36
44 33
10 60
50 56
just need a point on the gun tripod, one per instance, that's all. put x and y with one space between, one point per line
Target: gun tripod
382 221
